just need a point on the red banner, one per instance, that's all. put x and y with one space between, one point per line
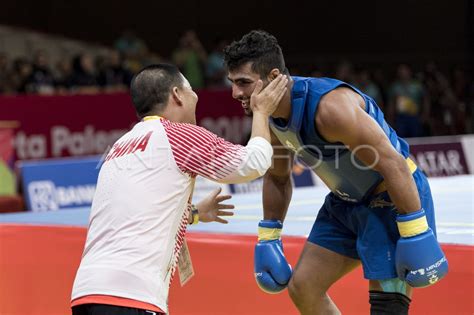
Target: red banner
7 181
56 126
6 150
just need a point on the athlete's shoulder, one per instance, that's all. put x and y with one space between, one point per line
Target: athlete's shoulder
337 110
334 104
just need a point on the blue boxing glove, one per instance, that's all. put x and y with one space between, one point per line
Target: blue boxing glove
272 271
419 258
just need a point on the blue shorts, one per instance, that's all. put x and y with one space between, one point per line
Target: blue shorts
367 230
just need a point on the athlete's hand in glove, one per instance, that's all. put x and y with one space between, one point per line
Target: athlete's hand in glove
212 209
272 271
419 258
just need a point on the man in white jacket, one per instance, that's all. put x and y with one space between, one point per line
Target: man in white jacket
142 204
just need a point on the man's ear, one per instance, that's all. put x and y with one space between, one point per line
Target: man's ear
273 74
176 96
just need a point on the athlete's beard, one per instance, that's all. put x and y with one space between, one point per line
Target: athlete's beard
245 103
248 112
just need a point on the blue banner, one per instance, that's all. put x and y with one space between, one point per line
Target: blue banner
59 184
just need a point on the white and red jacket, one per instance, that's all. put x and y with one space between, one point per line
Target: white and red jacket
141 205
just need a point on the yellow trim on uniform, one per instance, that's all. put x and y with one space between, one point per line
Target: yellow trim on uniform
413 227
411 165
154 117
268 234
381 187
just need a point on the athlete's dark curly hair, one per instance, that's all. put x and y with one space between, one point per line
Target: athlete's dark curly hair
258 47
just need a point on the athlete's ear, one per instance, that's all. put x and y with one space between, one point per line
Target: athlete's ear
273 74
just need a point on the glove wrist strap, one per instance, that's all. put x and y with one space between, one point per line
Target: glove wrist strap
412 224
269 230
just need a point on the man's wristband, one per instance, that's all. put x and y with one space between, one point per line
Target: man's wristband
269 230
194 215
412 224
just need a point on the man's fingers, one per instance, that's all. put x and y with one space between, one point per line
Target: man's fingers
273 84
258 87
277 85
281 86
216 192
283 82
221 206
223 198
280 96
225 213
221 220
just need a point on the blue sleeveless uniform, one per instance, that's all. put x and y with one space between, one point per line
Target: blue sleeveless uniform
353 221
345 176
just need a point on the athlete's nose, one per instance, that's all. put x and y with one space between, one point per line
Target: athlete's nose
236 92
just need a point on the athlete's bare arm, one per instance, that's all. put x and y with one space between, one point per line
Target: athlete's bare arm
277 188
341 118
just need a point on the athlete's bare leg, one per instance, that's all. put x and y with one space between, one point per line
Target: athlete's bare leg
317 269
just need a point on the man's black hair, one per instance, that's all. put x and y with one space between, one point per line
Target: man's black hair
151 87
258 47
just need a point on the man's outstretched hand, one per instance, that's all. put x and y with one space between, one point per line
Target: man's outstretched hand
212 209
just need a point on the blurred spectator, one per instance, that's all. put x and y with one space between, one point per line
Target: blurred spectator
133 50
345 72
463 87
190 57
216 73
83 79
431 103
447 111
4 70
460 84
130 46
100 63
366 85
19 75
381 79
113 76
63 75
407 99
149 58
41 80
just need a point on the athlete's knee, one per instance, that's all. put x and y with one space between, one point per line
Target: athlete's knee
295 288
300 288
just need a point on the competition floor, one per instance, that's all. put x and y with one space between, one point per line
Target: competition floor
453 198
40 253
